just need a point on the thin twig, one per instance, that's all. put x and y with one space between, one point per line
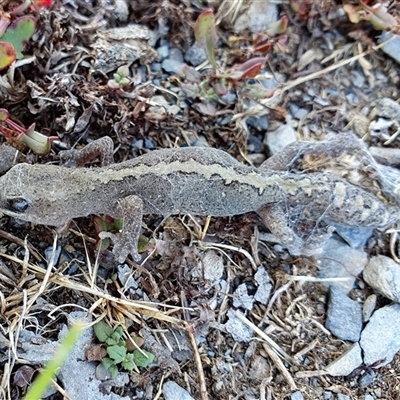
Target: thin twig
199 366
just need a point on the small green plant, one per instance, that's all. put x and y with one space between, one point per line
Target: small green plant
377 15
210 89
118 353
121 78
22 138
16 29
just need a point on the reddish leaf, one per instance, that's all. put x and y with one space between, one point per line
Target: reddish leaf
191 74
250 63
23 375
205 108
262 47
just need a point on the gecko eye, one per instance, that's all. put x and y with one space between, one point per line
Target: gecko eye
18 204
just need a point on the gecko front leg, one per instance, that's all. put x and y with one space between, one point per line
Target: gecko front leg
130 208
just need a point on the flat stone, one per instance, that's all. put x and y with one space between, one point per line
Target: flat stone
347 362
380 339
239 331
257 17
242 298
344 316
172 391
339 260
369 307
278 139
383 275
296 396
392 47
264 286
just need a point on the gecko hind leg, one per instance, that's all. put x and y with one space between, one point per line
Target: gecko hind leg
103 148
275 220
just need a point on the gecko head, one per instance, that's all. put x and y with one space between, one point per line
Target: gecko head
27 193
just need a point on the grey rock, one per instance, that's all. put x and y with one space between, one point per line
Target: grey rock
366 379
392 47
369 397
4 342
344 316
276 140
7 156
341 396
255 144
242 298
138 144
163 51
259 367
296 396
34 348
155 67
176 54
356 237
111 50
369 307
211 267
264 286
257 17
347 362
357 78
172 391
239 331
261 124
328 395
119 10
172 66
49 251
195 55
338 260
380 339
225 120
297 112
126 277
228 98
383 275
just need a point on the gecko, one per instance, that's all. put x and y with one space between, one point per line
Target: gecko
191 180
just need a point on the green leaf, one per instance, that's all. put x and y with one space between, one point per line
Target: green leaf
102 331
4 115
7 54
379 18
278 27
117 353
143 360
206 34
19 32
106 369
128 362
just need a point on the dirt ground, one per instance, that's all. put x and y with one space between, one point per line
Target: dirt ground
65 97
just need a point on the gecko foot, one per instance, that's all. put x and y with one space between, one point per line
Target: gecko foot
123 246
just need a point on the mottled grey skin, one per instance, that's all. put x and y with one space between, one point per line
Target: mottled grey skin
198 181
